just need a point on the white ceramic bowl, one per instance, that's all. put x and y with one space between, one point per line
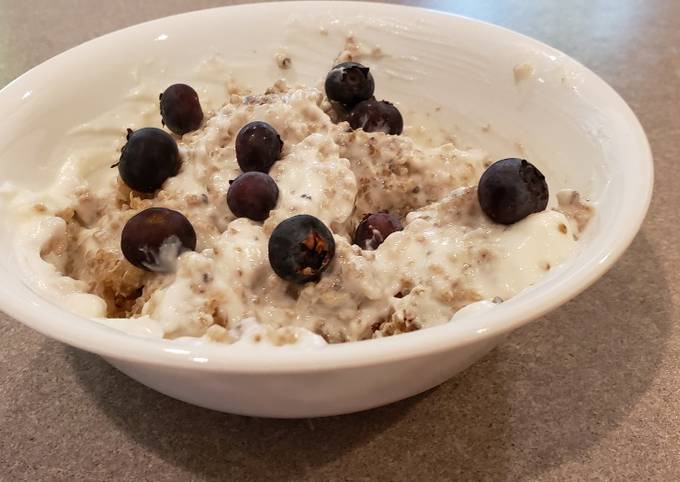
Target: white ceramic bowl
568 120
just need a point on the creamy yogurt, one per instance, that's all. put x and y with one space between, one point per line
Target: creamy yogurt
448 256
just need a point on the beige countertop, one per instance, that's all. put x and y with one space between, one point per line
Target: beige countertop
591 391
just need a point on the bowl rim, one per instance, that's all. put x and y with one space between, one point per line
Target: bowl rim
108 342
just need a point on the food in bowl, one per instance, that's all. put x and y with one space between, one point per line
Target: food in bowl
302 216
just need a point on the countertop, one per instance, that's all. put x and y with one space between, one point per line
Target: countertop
591 391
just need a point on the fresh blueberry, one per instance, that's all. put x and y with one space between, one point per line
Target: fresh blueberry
180 109
148 159
258 146
511 189
349 83
152 239
252 195
301 248
375 228
376 116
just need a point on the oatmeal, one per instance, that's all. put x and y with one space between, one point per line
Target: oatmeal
439 250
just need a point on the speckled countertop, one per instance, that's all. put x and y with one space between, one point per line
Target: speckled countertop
591 391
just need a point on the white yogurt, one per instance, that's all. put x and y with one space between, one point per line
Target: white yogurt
449 255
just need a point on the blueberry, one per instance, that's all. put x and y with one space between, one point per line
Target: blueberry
511 189
349 83
301 248
152 239
148 159
375 228
258 146
180 109
252 195
376 116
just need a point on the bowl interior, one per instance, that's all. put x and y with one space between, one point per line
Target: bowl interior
491 87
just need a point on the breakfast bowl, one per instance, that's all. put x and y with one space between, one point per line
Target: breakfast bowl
481 84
